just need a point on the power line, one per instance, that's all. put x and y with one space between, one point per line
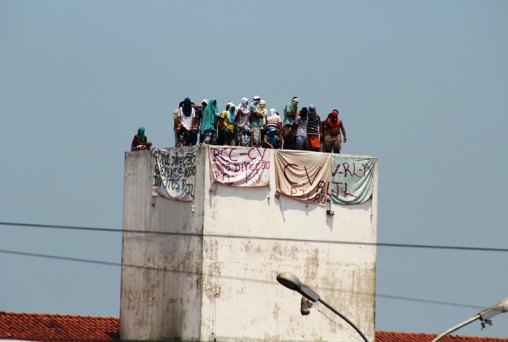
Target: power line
430 301
158 232
165 269
52 226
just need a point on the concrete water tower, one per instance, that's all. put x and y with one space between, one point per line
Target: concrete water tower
202 266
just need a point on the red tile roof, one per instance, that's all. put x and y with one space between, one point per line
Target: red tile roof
45 327
50 327
391 336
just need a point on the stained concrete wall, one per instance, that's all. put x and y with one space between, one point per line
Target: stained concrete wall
217 281
161 273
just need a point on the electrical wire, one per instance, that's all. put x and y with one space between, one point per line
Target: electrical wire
165 269
157 268
159 232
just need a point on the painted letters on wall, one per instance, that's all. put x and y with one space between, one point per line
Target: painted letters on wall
352 181
175 174
304 176
240 166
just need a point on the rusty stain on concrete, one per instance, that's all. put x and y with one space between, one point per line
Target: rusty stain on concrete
311 265
275 312
211 286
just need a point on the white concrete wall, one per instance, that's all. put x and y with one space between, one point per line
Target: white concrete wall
162 299
226 288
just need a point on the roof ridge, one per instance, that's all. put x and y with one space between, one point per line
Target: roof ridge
3 312
382 335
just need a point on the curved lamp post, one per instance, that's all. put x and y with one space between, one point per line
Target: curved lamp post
292 282
484 316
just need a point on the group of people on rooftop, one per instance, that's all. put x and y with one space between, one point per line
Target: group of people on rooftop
252 124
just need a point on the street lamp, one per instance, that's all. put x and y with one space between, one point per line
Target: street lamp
484 316
292 282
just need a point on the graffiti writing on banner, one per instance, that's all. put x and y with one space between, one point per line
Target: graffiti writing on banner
307 188
240 166
304 176
352 179
175 174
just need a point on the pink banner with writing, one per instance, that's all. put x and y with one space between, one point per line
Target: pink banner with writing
240 166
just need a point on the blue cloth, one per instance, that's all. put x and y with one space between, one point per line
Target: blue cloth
210 115
301 142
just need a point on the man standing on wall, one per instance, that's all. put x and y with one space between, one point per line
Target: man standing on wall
208 128
189 123
288 130
177 126
313 130
256 120
332 128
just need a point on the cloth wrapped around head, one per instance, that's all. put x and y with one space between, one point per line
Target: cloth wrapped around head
262 105
244 106
141 134
231 112
187 106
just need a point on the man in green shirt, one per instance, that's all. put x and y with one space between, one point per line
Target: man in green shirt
288 130
256 121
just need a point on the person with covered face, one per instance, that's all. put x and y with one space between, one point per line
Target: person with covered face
313 130
288 129
177 126
301 129
189 123
208 131
332 129
242 124
140 141
254 105
272 137
256 120
262 110
227 124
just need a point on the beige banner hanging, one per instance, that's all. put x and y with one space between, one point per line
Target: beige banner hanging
304 176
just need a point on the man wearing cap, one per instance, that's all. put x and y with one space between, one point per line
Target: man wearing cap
288 129
256 121
332 128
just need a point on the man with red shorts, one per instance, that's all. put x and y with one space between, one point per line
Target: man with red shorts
331 132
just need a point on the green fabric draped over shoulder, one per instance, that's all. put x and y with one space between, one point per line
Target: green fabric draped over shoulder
289 120
209 116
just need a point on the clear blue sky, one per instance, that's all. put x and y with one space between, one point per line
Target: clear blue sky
421 84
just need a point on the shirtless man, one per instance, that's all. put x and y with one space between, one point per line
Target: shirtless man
331 132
